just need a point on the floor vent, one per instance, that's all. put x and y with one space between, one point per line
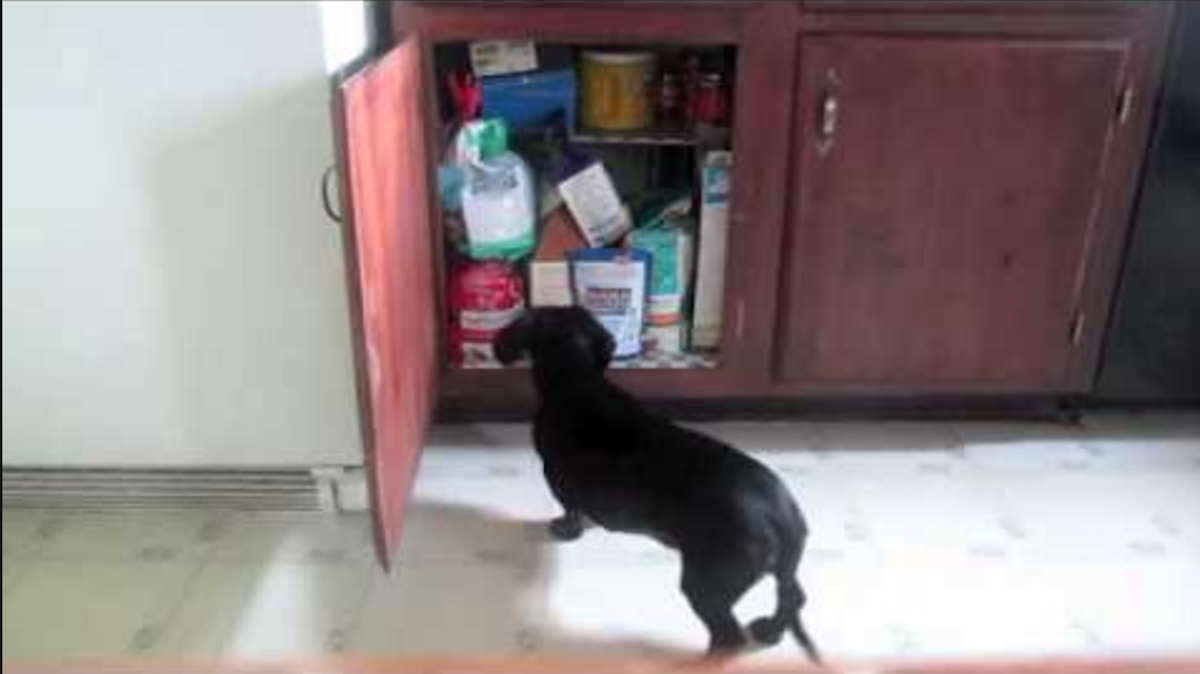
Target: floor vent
104 488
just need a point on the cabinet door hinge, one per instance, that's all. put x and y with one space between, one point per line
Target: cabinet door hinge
1125 104
1076 329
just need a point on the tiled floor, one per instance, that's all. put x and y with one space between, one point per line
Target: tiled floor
929 540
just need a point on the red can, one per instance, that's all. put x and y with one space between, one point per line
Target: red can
711 106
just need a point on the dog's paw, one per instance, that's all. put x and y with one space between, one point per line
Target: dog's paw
566 528
726 644
766 631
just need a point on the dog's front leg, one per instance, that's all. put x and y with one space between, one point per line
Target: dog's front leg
568 527
571 524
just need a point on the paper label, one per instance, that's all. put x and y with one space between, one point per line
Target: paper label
502 57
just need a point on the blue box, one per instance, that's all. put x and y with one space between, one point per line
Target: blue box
530 99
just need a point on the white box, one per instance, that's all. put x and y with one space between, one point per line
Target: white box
716 170
549 284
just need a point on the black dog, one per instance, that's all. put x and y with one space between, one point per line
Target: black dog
610 460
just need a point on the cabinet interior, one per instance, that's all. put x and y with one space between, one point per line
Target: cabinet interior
661 162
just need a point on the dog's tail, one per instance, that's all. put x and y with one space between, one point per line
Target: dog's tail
803 638
769 629
791 598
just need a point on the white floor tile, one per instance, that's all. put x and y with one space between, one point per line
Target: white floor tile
976 610
598 547
21 531
115 536
275 610
944 516
884 437
773 438
618 611
475 520
927 541
66 610
847 614
475 450
1131 607
1169 441
474 609
260 537
14 570
1078 517
1032 446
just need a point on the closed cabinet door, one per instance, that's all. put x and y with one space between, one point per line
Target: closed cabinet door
945 193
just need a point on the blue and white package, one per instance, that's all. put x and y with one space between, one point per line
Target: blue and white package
613 285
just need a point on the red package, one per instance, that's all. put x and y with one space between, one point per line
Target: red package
484 298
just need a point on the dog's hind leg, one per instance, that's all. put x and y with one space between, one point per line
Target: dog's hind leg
712 587
791 599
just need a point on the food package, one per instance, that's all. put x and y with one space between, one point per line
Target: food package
715 172
669 237
531 100
594 203
612 284
484 298
663 339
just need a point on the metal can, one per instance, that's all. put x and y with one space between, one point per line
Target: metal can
711 106
670 99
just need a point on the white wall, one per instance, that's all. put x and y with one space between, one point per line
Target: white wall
172 292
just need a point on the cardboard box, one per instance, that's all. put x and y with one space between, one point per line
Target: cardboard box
716 170
549 271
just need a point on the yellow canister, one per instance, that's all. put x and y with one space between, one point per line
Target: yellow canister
615 90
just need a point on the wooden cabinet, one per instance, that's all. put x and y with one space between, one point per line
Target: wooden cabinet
952 215
946 193
928 198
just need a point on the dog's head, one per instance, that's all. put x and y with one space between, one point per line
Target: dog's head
564 338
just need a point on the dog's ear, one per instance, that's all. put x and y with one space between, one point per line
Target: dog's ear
600 342
512 343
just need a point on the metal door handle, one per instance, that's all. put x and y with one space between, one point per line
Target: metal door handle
327 200
830 113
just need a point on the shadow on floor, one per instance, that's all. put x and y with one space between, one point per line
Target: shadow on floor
525 548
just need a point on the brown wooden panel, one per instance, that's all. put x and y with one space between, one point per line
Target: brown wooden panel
388 165
983 19
941 241
977 6
699 23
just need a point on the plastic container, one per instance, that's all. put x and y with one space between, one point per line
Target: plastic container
532 99
615 90
499 207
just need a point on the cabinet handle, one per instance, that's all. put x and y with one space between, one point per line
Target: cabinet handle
327 200
830 112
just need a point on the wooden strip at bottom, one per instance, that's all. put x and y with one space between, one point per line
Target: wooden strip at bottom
564 665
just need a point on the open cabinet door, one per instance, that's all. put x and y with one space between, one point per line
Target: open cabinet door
391 256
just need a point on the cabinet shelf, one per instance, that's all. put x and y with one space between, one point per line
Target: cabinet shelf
678 361
662 137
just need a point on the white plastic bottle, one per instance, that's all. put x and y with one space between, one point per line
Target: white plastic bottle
498 198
